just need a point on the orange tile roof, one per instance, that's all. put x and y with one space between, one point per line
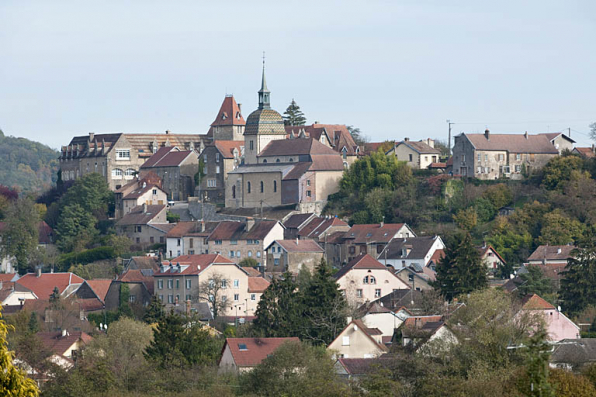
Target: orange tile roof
419 321
226 148
257 284
252 272
229 113
43 286
195 264
100 286
534 302
257 349
363 261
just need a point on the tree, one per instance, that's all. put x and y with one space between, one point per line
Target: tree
293 115
180 341
212 291
567 384
172 217
76 228
499 195
20 238
357 135
155 311
535 282
33 323
557 172
593 131
92 193
578 286
559 229
248 262
279 310
466 219
537 365
324 307
13 382
461 270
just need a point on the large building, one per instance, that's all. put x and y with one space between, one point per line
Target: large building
493 156
118 157
229 123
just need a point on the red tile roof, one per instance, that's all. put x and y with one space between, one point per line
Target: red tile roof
137 217
55 342
552 253
229 113
419 321
6 277
251 271
363 261
363 234
586 151
340 137
226 148
534 302
137 276
437 256
257 349
192 228
46 233
257 284
300 245
514 143
43 286
296 147
100 287
193 264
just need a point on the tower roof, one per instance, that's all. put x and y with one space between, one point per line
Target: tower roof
264 120
229 113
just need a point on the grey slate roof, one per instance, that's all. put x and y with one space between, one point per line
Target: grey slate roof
419 247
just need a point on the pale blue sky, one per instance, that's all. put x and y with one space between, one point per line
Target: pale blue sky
393 68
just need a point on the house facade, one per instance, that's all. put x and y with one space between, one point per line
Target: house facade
409 251
229 123
358 341
189 238
418 155
558 326
218 161
293 255
493 156
145 225
241 355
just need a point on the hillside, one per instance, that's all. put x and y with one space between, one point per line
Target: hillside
30 166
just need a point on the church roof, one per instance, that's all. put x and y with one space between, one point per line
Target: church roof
265 121
229 113
296 147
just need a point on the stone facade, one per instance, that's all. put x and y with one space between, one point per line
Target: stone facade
218 161
418 155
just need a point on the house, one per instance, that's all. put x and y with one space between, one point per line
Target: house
417 277
242 355
239 240
403 252
418 155
418 332
295 222
560 141
139 284
176 168
585 152
65 343
185 278
491 258
408 299
218 161
301 172
119 157
354 368
493 156
358 341
148 194
14 294
43 284
229 123
189 238
336 136
293 255
92 294
145 225
553 255
138 183
142 262
320 227
366 279
375 315
558 326
360 239
573 354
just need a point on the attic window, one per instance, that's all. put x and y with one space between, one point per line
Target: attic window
368 234
242 347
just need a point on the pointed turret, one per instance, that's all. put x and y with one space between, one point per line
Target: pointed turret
264 93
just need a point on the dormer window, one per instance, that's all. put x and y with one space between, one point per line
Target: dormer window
242 347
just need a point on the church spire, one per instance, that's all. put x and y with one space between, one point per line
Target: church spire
264 93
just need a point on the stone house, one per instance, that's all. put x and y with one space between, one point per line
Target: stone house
417 277
240 355
140 288
219 159
405 252
183 279
560 141
239 240
358 341
189 238
229 123
493 156
137 184
293 255
418 155
177 169
119 157
145 225
366 279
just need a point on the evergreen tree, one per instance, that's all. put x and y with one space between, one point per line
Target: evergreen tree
293 115
578 286
324 307
21 235
461 270
155 311
13 381
33 323
537 366
535 282
279 310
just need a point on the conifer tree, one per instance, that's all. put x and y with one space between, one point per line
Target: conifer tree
155 311
279 310
461 270
293 115
578 285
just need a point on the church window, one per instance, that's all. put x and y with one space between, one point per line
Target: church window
234 191
262 187
265 160
248 187
277 161
252 145
274 186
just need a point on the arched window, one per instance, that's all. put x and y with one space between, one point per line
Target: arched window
248 187
265 160
129 173
369 280
274 186
262 187
277 161
234 191
291 160
117 173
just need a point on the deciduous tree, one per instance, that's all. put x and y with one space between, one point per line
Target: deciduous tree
20 238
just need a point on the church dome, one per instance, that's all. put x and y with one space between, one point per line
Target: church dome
264 121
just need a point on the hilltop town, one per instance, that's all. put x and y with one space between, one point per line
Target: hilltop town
268 256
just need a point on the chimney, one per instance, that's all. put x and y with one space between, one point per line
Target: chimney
558 250
430 142
202 226
406 139
297 241
240 108
167 132
188 307
250 223
144 208
38 271
64 333
487 134
526 134
91 136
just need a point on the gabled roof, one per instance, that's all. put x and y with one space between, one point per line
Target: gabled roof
226 148
135 194
363 261
251 271
552 135
418 248
299 245
192 228
43 286
534 302
6 277
100 287
229 113
552 252
585 151
192 264
296 147
419 147
358 366
338 135
513 143
373 233
485 249
232 230
369 332
250 352
297 220
141 276
143 262
257 284
55 342
401 298
139 217
317 226
575 352
168 157
421 271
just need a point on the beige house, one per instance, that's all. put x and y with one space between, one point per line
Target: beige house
491 258
375 315
293 255
218 161
560 141
239 240
137 184
145 225
189 238
366 279
241 355
146 194
493 156
358 341
119 157
186 278
418 155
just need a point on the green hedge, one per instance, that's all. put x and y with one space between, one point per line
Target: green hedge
85 257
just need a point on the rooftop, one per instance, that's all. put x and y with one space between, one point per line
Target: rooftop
514 143
43 285
249 352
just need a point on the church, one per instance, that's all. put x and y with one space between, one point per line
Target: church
280 171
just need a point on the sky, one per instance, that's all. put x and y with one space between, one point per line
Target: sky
392 68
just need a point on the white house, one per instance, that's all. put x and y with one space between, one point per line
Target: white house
404 252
